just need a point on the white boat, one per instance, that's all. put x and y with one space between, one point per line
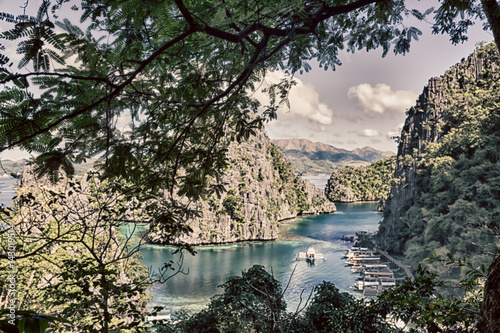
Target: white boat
364 260
310 255
359 253
361 285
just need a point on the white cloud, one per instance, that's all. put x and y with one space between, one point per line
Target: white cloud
335 142
304 101
381 98
396 131
369 133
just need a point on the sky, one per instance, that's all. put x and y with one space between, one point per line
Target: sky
361 103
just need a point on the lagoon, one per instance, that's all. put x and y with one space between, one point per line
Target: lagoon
212 265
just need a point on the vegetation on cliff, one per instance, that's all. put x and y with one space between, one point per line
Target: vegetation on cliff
367 183
260 189
454 178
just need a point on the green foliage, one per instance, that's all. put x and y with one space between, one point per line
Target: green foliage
457 206
302 204
370 183
260 177
333 311
419 304
253 302
280 163
72 261
272 210
232 204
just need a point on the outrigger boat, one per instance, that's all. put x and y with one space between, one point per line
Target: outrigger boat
310 255
359 252
363 260
373 279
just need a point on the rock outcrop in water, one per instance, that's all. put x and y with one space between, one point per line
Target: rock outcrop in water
261 190
369 183
431 129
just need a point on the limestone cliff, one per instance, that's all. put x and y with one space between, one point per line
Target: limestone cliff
261 190
427 123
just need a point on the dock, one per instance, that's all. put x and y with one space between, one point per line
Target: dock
374 275
398 263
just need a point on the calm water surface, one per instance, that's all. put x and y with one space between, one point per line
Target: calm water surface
214 264
7 191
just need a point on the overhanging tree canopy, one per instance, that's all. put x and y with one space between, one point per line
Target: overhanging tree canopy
181 73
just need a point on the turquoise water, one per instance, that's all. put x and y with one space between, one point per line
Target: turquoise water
212 265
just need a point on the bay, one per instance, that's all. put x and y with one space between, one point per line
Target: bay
212 265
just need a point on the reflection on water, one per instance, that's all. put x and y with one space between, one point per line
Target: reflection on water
214 264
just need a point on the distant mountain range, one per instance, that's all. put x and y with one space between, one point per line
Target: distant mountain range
8 167
306 157
311 158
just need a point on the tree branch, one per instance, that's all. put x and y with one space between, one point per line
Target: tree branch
115 92
492 10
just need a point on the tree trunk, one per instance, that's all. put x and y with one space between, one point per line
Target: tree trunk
492 10
490 312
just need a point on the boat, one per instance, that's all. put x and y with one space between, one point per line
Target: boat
373 279
310 255
362 260
357 252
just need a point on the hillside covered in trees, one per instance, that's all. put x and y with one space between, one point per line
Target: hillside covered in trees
367 183
446 197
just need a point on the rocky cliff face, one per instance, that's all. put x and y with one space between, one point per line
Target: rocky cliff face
261 190
427 122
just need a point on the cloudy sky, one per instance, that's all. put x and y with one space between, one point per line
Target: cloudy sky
363 102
